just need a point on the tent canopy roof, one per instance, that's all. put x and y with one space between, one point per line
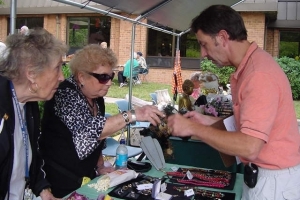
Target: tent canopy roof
175 14
172 14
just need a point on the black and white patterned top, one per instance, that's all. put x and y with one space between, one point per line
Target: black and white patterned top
72 108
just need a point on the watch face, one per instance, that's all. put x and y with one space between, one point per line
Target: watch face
125 116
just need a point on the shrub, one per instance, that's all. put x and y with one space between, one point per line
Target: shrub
291 68
223 73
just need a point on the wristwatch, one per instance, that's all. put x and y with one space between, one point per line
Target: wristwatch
126 117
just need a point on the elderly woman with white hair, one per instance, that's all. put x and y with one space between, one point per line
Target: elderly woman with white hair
196 79
30 71
24 30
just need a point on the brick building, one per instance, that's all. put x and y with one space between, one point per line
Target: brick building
265 20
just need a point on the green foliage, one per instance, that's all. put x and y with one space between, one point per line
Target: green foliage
1 2
288 49
141 91
297 108
78 38
192 53
223 73
291 68
66 71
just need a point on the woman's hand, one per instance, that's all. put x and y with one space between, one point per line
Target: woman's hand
47 195
105 170
150 114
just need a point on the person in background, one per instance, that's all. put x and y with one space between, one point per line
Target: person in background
266 135
2 48
34 75
74 126
123 75
196 79
103 45
24 30
142 62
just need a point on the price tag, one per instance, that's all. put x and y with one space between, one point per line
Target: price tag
189 175
174 168
163 187
189 192
145 186
163 196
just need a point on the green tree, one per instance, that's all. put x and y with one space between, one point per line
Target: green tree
223 73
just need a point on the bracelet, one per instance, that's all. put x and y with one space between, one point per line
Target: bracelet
126 118
133 117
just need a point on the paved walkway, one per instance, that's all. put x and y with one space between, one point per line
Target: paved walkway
110 99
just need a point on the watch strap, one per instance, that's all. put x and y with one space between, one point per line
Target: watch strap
126 117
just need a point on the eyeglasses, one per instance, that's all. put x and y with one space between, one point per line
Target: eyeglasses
102 78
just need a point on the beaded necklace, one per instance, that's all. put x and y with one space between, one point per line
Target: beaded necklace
202 179
208 171
202 192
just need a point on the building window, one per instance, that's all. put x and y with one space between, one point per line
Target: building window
87 30
161 50
30 22
163 44
289 44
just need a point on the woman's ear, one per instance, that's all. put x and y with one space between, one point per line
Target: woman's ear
81 77
30 74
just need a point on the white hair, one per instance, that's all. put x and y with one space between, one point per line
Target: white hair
24 30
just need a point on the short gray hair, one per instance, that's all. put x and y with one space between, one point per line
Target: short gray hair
35 51
196 76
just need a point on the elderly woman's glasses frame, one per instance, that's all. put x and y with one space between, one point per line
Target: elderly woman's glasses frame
102 78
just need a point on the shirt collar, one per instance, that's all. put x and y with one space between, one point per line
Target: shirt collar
242 65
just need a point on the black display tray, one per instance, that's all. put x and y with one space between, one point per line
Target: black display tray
119 191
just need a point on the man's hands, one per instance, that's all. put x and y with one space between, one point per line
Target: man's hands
188 124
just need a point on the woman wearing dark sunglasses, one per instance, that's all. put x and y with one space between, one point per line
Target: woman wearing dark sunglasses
74 125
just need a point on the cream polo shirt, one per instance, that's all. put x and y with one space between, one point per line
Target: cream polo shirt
263 108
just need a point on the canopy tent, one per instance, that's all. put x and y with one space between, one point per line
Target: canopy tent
174 14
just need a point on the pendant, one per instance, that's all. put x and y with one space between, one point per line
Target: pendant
28 194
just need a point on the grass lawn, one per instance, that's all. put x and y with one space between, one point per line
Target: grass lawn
142 91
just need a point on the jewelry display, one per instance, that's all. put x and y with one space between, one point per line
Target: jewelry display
203 193
133 195
208 171
135 190
203 179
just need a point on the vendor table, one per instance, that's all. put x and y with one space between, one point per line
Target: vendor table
91 193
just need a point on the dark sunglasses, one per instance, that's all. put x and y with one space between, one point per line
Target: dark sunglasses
102 78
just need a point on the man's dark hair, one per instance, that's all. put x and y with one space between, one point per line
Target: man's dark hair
220 17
